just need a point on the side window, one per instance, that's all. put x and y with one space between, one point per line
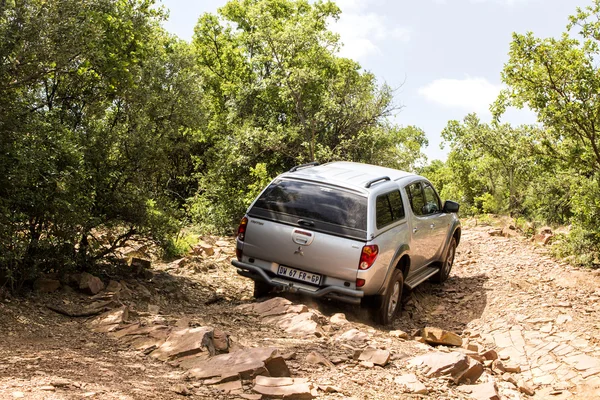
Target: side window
396 204
415 194
432 201
388 208
383 211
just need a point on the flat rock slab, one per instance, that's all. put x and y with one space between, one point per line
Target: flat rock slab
483 391
377 357
442 363
441 337
248 363
353 335
284 388
156 331
183 343
110 320
411 384
471 374
583 362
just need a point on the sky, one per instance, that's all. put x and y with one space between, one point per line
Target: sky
443 56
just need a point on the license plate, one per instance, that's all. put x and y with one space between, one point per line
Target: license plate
297 274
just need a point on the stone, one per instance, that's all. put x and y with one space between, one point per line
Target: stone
109 320
411 384
563 318
498 367
490 355
180 389
220 341
525 388
442 363
338 319
471 373
113 286
366 364
18 395
48 388
155 331
46 285
90 284
316 358
139 265
377 357
495 232
582 362
60 382
330 389
206 248
304 325
482 391
184 342
399 334
512 368
230 387
509 378
284 388
440 336
251 396
222 379
248 363
353 335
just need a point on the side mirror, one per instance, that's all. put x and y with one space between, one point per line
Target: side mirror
451 207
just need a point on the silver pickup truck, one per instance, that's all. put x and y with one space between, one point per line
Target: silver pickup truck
353 232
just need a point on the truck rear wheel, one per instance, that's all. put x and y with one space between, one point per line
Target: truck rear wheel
390 302
261 289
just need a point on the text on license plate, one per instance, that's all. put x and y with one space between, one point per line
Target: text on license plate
293 273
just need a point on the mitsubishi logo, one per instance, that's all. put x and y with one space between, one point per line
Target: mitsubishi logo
299 251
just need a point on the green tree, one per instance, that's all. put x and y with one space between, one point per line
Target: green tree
558 78
97 110
280 96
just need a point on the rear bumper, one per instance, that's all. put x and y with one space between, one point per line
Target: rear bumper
254 272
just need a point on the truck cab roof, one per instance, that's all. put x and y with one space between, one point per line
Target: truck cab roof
351 175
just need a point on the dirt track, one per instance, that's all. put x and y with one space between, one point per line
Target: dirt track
504 293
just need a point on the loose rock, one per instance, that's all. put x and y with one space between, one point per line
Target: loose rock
411 384
377 357
440 336
297 388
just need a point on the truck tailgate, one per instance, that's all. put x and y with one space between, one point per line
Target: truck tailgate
303 248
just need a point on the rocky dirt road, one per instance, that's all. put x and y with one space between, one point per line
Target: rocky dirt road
529 327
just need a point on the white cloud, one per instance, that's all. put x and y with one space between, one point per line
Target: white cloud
361 30
470 94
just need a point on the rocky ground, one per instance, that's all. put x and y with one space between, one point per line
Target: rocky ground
513 324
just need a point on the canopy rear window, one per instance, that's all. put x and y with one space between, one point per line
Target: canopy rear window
314 206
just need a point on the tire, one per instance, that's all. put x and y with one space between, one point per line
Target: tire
261 289
446 266
389 304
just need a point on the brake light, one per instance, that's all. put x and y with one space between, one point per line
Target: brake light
241 232
368 256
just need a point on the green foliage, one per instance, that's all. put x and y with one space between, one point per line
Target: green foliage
96 106
558 78
179 245
278 96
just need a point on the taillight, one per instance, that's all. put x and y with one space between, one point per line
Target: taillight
368 256
360 282
241 232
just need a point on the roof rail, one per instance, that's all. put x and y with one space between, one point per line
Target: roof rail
383 178
310 164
